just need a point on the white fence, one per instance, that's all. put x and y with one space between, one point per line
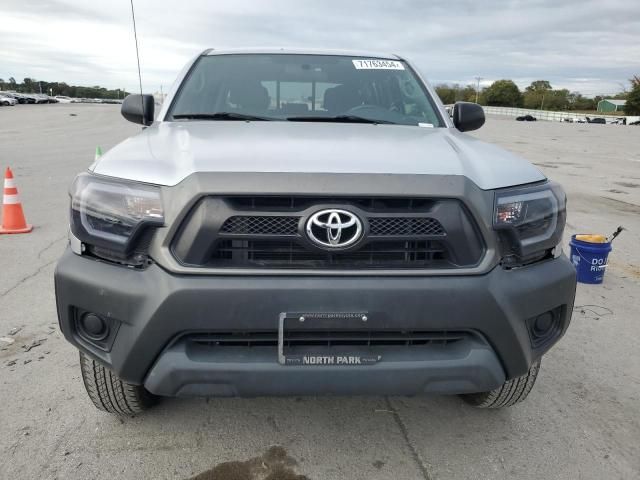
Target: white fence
551 116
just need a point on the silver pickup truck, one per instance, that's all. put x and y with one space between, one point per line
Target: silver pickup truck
308 223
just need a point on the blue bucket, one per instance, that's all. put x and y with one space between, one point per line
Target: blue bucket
590 259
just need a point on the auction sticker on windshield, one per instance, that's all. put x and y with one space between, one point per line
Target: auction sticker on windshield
377 64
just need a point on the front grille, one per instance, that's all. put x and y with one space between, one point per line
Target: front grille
397 226
260 225
264 232
288 226
285 203
327 338
290 254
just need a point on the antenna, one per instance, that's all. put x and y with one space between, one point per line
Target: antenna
135 36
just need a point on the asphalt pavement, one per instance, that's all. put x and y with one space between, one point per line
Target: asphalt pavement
582 419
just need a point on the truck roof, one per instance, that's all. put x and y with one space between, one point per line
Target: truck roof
299 51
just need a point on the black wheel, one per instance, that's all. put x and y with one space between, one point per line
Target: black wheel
513 391
109 393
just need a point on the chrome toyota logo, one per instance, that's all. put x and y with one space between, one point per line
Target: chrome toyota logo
334 228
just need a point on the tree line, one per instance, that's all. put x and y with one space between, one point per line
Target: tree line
502 93
540 95
29 85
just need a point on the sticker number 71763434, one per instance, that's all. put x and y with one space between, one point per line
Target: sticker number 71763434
377 64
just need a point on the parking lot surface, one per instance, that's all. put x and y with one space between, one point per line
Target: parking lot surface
582 419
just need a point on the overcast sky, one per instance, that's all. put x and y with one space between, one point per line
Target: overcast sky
592 46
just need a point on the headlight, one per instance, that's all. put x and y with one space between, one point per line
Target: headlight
530 219
111 214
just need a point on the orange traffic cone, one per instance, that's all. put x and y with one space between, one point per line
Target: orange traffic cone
13 220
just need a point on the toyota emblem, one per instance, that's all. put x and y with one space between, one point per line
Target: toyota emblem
334 228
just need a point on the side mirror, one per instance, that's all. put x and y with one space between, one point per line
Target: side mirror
467 116
138 108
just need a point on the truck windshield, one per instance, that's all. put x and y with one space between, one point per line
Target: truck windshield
311 88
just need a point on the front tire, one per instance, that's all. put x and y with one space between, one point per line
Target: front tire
109 393
511 392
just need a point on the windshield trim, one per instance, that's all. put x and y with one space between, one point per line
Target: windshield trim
428 92
301 51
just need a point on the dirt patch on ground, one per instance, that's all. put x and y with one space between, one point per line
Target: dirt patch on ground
628 268
615 190
274 464
628 184
620 205
588 203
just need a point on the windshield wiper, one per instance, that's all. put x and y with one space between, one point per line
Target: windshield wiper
219 116
339 119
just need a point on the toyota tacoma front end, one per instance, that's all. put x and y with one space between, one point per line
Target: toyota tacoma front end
308 223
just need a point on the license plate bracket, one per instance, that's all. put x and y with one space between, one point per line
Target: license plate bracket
350 321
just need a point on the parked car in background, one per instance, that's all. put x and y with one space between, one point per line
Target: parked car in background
35 98
526 118
43 98
20 97
63 99
7 101
596 120
16 96
29 98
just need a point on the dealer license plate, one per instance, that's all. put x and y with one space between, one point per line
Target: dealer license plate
312 355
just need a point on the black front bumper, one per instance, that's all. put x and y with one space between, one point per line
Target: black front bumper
152 308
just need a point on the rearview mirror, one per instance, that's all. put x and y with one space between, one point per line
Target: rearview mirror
467 116
138 108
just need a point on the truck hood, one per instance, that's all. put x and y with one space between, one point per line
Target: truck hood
168 152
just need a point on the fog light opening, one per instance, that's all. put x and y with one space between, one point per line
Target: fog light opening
542 324
546 327
93 327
